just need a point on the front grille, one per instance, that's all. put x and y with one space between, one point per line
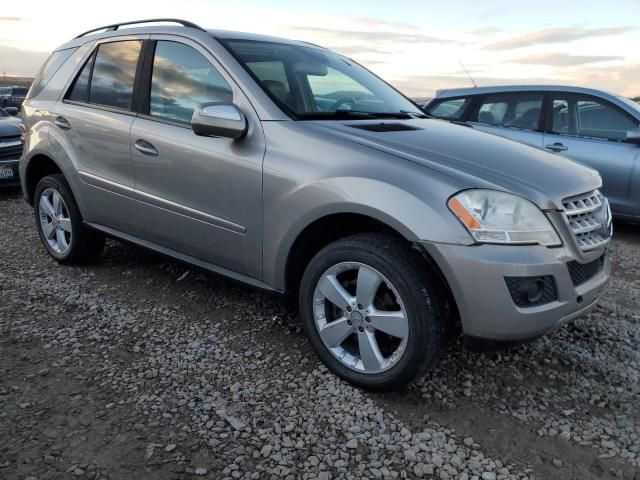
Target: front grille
589 217
10 147
583 272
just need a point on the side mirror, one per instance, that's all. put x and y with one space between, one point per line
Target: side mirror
219 119
633 136
13 111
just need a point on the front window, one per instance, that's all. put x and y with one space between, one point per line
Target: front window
515 110
181 79
313 83
586 116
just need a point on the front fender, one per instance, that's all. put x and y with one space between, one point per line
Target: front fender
413 217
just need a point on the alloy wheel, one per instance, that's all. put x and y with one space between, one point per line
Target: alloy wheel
55 221
360 317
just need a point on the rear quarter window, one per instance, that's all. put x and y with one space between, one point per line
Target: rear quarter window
46 73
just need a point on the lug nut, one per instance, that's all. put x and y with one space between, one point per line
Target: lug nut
349 322
361 329
367 319
348 308
359 306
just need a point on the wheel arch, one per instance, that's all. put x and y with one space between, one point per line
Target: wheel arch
37 167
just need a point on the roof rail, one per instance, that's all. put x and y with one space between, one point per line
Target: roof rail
116 26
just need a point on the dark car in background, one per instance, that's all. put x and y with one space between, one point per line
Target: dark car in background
596 128
13 96
10 148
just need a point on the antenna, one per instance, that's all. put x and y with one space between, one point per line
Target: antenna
468 74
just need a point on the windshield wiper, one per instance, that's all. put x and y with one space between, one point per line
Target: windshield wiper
354 114
338 114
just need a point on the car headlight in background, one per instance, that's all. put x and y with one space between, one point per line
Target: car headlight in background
498 217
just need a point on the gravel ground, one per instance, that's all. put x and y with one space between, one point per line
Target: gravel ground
138 367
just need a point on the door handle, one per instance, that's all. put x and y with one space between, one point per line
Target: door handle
556 147
62 123
146 148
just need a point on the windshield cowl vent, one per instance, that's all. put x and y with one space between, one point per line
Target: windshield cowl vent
385 127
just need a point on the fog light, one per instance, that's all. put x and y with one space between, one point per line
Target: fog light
532 291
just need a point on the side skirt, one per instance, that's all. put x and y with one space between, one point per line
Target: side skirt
210 267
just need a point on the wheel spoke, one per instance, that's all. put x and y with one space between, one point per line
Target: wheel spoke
57 204
391 323
368 283
369 351
46 207
61 239
330 287
336 332
47 229
65 224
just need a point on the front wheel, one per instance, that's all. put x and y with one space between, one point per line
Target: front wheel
373 310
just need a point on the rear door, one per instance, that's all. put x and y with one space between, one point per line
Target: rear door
92 126
592 131
201 196
514 115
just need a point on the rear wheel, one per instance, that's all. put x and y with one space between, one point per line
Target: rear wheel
60 226
373 311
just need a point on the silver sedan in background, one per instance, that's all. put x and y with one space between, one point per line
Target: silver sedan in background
593 127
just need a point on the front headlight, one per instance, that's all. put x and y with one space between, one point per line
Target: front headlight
498 217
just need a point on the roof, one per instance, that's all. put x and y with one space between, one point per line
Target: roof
455 92
142 26
231 35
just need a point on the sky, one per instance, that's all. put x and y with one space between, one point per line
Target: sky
417 45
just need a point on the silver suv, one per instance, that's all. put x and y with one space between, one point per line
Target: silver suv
294 169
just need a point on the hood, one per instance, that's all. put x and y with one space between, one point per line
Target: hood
9 126
479 160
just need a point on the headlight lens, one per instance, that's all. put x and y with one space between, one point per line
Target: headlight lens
498 217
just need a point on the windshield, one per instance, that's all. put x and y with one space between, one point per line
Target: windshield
313 83
5 90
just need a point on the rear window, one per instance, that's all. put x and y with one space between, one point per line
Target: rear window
48 70
19 91
114 72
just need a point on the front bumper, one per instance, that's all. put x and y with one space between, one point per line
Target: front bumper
476 275
14 164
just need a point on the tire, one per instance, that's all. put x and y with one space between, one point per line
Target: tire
408 334
67 239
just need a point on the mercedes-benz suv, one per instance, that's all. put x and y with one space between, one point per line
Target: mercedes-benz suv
294 169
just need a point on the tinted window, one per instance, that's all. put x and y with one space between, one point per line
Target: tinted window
48 70
19 91
516 110
452 109
181 79
114 73
80 90
590 117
